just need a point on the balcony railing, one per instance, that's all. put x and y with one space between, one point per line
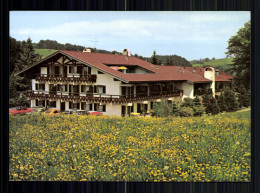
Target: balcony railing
66 77
104 98
200 92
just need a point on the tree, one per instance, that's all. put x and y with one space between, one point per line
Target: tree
206 59
239 50
154 59
210 103
24 56
243 97
15 50
227 101
169 62
28 56
213 58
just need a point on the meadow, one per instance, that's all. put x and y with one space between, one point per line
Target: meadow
222 64
88 148
44 52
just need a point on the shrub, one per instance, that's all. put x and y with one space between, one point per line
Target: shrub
175 108
227 101
163 109
221 103
244 97
210 104
199 110
186 112
188 102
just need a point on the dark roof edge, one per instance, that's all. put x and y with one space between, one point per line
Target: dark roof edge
61 52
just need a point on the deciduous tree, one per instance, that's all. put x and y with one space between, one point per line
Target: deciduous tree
239 49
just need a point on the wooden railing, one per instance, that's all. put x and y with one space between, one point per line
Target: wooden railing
199 92
66 77
104 98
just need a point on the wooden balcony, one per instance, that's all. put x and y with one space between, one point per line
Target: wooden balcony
200 92
90 78
102 98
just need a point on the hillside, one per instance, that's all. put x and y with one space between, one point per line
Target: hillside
44 52
222 64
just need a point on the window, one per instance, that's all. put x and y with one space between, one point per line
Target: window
83 88
39 86
83 106
70 105
99 108
53 104
89 107
79 69
70 69
99 89
36 103
75 105
141 108
64 88
42 103
86 89
36 86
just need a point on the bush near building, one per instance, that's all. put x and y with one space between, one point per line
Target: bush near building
210 104
227 101
189 107
186 112
163 109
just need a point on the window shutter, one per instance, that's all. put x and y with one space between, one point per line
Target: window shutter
66 88
89 70
90 107
36 86
95 89
104 108
104 89
95 107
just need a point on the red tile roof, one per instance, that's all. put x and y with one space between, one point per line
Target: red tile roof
158 73
222 77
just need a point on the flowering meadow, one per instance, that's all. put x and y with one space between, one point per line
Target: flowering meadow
89 148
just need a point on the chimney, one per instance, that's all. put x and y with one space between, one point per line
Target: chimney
88 50
126 52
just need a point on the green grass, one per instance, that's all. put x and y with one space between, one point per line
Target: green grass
223 63
44 52
207 148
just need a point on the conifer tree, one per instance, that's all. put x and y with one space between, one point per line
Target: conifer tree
154 59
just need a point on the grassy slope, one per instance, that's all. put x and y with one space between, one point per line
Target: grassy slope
45 52
223 63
